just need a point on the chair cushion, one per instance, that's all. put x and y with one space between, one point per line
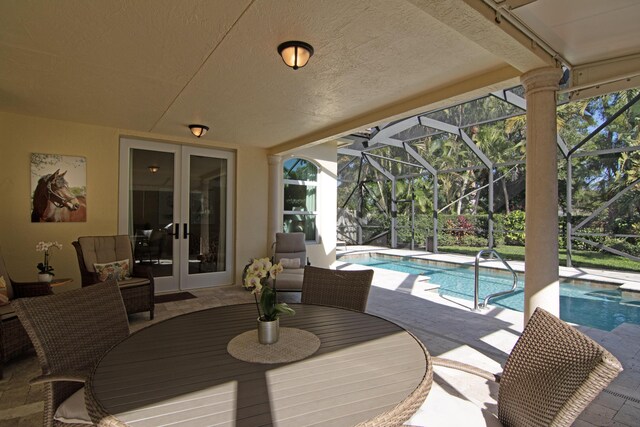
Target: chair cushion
290 262
7 312
290 279
4 291
104 249
73 410
118 270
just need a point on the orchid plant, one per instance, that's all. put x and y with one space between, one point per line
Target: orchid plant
256 278
44 267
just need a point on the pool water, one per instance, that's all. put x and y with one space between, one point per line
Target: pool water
599 307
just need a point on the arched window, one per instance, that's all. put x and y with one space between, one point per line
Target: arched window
300 193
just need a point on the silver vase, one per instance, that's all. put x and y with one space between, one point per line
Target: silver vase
268 331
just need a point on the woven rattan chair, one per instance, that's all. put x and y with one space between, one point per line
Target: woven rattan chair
337 288
137 291
551 375
70 332
14 341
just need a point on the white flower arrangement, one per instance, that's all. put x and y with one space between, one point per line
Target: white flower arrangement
256 277
44 267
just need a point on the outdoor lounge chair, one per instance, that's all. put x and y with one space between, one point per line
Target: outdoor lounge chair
291 250
137 290
70 332
551 375
14 340
337 288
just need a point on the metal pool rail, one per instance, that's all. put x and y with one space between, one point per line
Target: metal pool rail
479 255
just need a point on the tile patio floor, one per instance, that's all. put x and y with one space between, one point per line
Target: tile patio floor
446 326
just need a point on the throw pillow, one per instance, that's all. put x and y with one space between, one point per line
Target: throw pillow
290 262
118 270
4 297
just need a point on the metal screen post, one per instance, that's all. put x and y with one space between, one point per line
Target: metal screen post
435 213
569 209
394 215
490 219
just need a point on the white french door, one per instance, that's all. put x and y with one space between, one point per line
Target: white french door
176 204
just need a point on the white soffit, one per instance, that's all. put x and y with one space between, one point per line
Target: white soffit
600 40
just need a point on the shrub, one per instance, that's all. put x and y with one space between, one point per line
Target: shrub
514 228
623 245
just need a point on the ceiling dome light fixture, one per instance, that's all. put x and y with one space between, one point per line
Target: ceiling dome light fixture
295 54
153 169
198 130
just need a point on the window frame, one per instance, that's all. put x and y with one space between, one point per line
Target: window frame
315 184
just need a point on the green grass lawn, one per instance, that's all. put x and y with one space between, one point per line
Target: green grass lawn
588 259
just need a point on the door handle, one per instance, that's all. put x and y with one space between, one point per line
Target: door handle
176 233
185 230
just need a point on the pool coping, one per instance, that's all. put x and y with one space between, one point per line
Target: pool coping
572 275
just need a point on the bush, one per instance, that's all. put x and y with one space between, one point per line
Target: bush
474 241
623 245
514 228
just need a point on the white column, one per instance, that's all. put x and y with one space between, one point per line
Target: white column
542 288
276 191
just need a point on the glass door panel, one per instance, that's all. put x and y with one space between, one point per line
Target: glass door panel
151 204
207 205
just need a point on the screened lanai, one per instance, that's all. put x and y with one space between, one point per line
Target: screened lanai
460 170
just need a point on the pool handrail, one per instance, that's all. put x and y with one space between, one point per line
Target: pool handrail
476 306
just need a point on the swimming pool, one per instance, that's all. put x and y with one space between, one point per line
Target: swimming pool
596 306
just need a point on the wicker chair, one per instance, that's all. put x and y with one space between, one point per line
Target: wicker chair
551 375
137 291
290 246
70 332
14 341
338 288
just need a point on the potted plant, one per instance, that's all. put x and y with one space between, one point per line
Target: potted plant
45 270
256 278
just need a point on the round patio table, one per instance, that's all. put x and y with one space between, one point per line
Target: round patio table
367 371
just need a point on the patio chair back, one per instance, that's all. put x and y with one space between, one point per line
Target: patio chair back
552 374
337 288
291 246
70 332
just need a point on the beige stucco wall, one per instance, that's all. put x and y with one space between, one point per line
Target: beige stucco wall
22 135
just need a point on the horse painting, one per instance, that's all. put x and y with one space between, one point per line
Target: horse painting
54 202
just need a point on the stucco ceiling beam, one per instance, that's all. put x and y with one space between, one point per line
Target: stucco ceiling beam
476 21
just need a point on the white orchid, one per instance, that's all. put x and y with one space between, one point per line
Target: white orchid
255 278
44 267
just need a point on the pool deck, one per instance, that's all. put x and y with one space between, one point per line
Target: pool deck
447 326
450 328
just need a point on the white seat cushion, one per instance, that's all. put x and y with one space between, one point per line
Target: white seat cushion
73 410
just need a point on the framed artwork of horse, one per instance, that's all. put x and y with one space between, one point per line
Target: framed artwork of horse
58 188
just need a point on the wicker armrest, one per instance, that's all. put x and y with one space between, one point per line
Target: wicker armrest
448 363
77 377
31 289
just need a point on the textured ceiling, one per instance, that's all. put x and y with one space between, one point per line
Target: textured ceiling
158 65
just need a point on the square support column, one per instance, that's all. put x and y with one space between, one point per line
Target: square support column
542 287
275 200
